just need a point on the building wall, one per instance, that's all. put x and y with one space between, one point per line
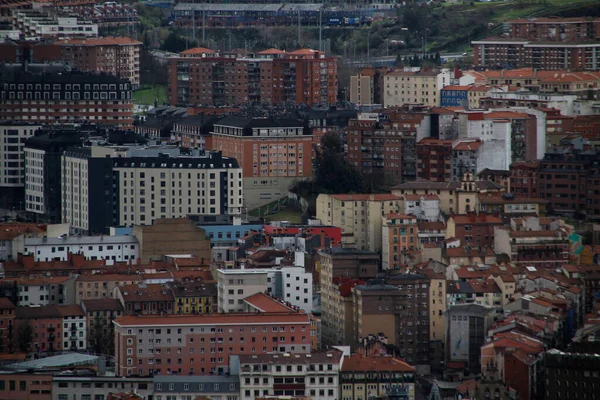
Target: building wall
26 386
12 137
92 247
34 181
234 286
76 387
437 305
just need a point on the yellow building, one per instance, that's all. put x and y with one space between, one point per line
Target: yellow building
507 285
359 216
376 377
315 332
194 296
414 87
399 236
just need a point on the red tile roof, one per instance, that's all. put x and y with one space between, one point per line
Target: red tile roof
146 292
359 363
456 87
267 304
271 51
487 286
49 312
473 219
5 303
11 231
464 145
345 285
196 50
431 226
213 319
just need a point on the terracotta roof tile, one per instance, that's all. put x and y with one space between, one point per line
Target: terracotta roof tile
213 319
359 363
267 304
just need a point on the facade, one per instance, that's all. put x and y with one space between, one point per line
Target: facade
272 153
142 298
425 207
12 178
272 77
148 345
193 131
115 248
100 386
338 263
215 189
101 286
359 216
197 386
44 97
315 375
473 228
35 24
434 159
366 87
119 56
570 375
422 87
454 96
400 310
194 296
7 324
399 236
524 179
376 376
465 158
383 150
55 328
100 315
235 285
543 248
172 236
45 291
466 330
43 172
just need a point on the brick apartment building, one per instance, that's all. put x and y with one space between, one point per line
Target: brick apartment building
55 328
543 43
568 180
382 150
473 228
269 77
7 324
434 159
202 344
62 98
524 179
273 153
119 56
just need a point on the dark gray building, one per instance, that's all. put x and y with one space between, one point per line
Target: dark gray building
225 387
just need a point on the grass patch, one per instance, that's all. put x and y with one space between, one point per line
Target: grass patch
146 96
286 214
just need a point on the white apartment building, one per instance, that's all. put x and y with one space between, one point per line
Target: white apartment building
75 331
110 248
35 24
288 283
414 87
34 180
426 207
314 375
148 189
12 137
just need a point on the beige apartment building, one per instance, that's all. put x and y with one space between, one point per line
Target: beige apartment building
359 216
101 286
414 87
236 284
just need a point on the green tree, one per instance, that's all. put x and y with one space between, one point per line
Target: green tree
102 338
25 337
175 43
332 172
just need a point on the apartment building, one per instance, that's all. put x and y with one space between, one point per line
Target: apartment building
12 177
554 29
201 76
315 375
194 131
36 24
119 56
58 98
114 248
100 315
226 387
75 386
235 285
142 298
407 87
7 323
434 159
519 53
467 157
194 296
144 184
366 87
44 291
524 179
43 173
568 181
398 308
202 344
336 263
359 216
54 328
544 248
363 377
399 237
473 228
382 150
101 286
272 153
